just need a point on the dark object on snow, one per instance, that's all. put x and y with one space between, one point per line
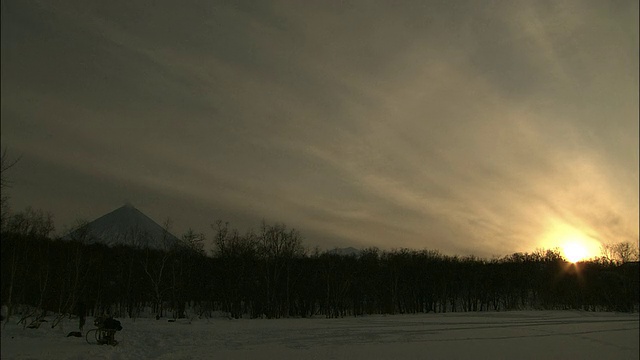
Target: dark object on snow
111 323
75 333
108 323
106 331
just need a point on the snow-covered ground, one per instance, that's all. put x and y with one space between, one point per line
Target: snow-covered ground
500 335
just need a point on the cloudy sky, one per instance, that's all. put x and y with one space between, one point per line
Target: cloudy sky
471 127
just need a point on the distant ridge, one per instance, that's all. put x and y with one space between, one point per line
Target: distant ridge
125 225
349 251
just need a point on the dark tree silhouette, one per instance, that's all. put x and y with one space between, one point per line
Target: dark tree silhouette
270 275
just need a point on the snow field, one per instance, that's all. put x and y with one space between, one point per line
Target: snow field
500 335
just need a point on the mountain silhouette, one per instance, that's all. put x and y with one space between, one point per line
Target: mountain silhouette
349 251
125 225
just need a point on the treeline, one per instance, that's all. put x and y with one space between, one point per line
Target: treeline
269 274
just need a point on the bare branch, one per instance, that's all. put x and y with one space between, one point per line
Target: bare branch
6 164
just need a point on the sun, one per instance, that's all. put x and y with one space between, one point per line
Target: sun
574 251
577 247
574 244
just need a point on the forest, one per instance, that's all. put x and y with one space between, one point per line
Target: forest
270 274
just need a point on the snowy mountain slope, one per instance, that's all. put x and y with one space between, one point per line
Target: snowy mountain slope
125 225
349 251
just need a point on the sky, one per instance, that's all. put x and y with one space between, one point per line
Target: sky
470 127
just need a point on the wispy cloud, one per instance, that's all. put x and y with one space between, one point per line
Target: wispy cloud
463 127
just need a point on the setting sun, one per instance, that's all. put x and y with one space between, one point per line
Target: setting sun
574 251
574 244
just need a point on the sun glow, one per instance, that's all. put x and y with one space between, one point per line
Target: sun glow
573 243
574 251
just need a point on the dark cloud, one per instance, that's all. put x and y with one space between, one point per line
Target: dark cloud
470 128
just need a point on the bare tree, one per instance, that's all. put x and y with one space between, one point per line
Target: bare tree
29 223
5 164
186 254
78 270
621 252
234 254
194 241
154 264
278 247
